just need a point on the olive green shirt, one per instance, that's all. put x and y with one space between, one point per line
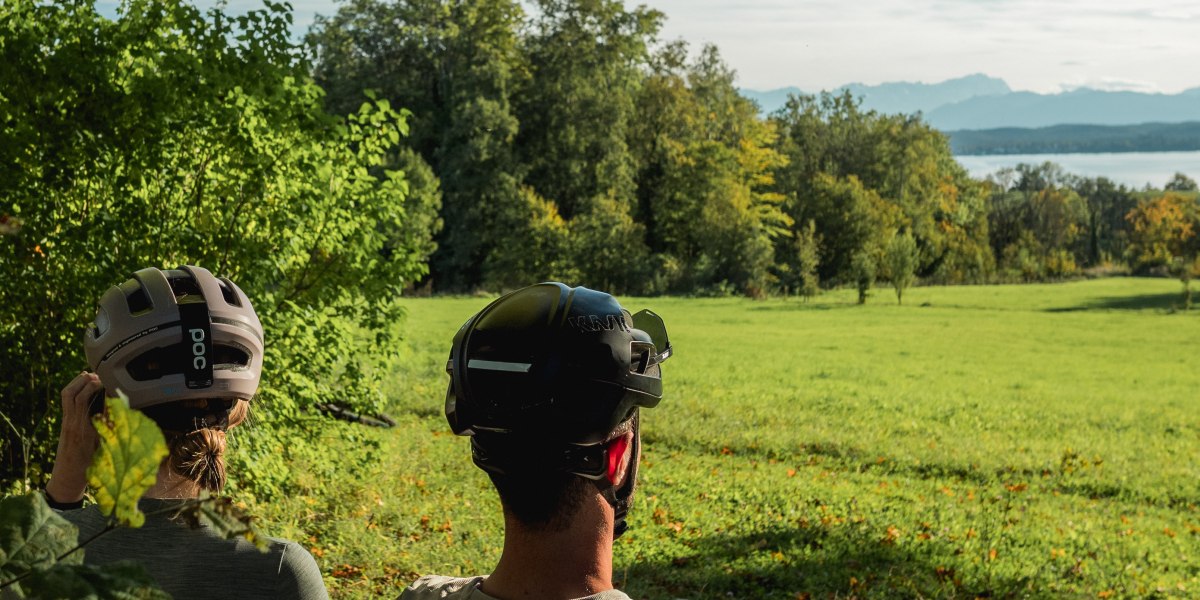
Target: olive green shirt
199 563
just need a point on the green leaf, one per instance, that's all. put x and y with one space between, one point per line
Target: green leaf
32 536
126 464
227 520
124 580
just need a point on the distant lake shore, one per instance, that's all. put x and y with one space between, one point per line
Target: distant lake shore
1134 169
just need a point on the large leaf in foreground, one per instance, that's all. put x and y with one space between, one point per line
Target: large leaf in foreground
124 580
126 464
32 536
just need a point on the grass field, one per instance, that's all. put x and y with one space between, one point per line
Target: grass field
1007 441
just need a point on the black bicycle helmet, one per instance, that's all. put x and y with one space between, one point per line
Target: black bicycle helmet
541 378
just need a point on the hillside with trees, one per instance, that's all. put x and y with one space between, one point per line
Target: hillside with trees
1059 139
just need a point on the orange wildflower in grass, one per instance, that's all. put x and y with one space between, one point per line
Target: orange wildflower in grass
346 571
893 534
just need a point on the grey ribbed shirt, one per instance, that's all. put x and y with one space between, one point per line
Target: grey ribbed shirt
198 563
436 587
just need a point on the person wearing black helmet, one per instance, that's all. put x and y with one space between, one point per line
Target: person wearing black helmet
186 349
547 382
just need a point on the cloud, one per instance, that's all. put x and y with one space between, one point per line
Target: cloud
1113 84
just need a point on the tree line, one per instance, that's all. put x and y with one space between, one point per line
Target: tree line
1144 137
573 143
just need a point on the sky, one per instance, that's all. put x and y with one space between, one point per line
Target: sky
1045 46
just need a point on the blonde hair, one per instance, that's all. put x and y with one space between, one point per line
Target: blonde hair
199 455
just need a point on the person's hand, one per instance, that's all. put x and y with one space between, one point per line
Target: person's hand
77 441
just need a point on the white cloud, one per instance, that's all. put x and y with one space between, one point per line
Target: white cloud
1039 45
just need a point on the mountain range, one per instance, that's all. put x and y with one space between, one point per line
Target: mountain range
981 102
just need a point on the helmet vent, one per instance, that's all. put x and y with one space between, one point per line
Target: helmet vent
138 301
227 292
185 286
158 362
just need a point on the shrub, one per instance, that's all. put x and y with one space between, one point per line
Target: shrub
172 136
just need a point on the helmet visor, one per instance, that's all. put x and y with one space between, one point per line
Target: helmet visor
652 324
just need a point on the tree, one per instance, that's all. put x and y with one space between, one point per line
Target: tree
900 259
704 186
584 57
862 268
1107 231
1163 228
1181 183
456 64
808 258
535 247
903 163
1186 268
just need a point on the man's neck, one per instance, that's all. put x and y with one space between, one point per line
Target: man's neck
573 563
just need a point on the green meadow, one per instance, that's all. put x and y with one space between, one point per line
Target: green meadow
977 441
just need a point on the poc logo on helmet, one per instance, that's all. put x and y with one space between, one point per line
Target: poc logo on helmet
597 323
198 359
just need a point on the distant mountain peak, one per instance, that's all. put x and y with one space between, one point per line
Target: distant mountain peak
898 96
978 101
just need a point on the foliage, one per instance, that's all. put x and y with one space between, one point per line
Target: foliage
173 136
32 536
1045 223
456 64
889 171
706 173
807 258
1181 183
570 107
862 269
534 247
126 463
900 259
40 558
1163 228
1185 269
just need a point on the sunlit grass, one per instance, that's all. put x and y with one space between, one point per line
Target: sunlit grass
1039 440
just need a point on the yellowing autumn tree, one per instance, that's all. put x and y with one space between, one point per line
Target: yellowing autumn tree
1162 229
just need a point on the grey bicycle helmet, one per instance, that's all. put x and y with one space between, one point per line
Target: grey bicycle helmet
181 334
541 377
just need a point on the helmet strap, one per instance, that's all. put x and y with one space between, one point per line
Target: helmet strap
197 345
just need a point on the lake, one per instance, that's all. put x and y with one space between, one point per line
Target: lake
1134 169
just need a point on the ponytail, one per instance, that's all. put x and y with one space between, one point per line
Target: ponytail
199 455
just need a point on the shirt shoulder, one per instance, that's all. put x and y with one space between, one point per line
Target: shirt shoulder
298 575
436 587
613 594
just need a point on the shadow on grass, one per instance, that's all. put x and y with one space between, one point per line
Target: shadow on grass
846 458
1158 302
819 562
800 306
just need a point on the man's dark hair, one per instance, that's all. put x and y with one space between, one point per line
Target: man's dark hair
548 501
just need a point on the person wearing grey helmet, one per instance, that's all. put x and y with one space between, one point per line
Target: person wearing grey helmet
185 348
548 382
